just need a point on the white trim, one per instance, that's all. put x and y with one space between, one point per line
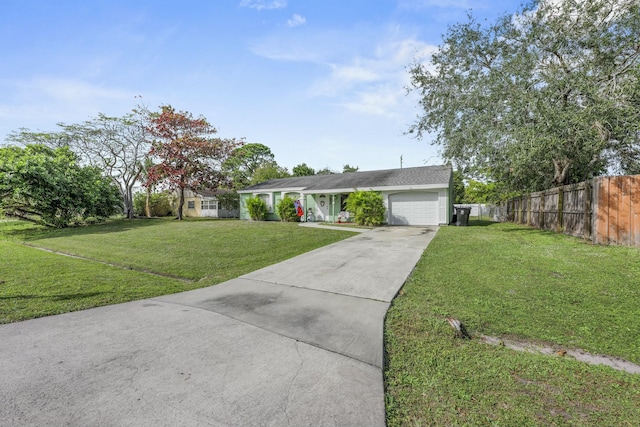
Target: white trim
273 190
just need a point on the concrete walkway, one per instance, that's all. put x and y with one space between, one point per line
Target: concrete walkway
297 343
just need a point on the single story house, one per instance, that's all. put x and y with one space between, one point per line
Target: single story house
412 196
205 203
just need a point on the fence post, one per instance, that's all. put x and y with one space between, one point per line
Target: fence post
541 210
588 188
560 227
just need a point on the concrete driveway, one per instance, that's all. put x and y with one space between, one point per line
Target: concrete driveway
297 343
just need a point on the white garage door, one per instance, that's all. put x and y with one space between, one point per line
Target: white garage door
416 208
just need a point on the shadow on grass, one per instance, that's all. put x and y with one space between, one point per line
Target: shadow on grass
112 226
481 223
530 230
478 223
64 297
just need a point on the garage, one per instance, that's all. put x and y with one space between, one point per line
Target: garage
413 208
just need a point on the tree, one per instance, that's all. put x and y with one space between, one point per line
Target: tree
302 170
367 207
146 166
154 204
229 200
48 185
188 156
348 168
458 187
244 161
481 192
25 136
545 97
325 171
116 145
269 171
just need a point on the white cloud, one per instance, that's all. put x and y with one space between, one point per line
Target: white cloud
379 101
355 73
73 90
41 102
263 4
364 71
319 47
296 20
375 84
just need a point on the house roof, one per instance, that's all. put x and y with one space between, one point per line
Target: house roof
408 177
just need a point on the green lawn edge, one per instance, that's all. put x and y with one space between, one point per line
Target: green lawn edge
512 281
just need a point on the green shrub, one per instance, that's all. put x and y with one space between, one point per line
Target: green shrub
257 208
229 200
287 210
159 204
367 207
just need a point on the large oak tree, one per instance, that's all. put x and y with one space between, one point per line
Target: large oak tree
302 170
545 97
244 161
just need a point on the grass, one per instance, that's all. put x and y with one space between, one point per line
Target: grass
514 282
128 260
499 279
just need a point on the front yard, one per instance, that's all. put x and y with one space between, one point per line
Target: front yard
127 260
516 283
500 280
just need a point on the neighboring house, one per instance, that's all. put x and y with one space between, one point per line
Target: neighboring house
412 196
204 203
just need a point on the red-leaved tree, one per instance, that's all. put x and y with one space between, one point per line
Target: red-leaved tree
187 155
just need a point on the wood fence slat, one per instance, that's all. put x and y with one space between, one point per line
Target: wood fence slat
605 210
635 210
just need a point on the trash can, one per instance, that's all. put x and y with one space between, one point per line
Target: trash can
462 216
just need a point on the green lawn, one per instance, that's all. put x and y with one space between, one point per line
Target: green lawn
127 260
499 279
514 282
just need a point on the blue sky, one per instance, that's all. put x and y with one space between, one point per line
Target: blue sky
318 81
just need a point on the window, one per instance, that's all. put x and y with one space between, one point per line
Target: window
209 204
191 204
266 198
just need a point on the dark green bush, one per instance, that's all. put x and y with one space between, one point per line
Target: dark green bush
367 207
229 200
287 210
159 204
257 208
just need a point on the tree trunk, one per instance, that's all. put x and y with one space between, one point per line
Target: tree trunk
180 203
129 202
147 207
560 172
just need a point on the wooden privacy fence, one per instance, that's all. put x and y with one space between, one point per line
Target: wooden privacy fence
605 210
